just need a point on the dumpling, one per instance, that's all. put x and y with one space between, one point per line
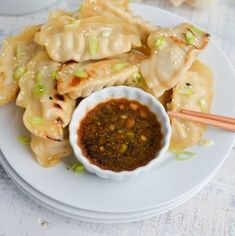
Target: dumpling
193 92
48 152
16 52
81 79
107 8
173 52
47 112
67 38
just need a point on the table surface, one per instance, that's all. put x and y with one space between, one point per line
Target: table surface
211 212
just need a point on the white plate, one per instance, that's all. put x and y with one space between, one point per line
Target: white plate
165 184
86 215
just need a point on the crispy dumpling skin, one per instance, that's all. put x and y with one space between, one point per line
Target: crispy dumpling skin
172 55
107 8
97 37
97 75
199 80
16 53
47 112
48 153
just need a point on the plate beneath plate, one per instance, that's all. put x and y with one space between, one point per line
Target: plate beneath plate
165 184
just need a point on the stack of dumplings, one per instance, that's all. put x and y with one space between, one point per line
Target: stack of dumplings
48 68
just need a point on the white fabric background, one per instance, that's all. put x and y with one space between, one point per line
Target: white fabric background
211 212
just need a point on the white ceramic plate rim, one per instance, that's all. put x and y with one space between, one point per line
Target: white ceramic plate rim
218 59
62 209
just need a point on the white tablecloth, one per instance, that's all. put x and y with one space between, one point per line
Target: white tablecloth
212 212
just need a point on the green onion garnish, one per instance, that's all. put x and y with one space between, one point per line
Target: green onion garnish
123 148
118 66
106 33
203 106
130 135
18 73
23 139
72 23
39 77
137 76
39 89
184 155
194 28
54 75
78 168
185 91
36 120
93 45
159 42
190 38
80 74
207 142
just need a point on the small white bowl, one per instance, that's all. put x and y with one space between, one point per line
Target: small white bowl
105 95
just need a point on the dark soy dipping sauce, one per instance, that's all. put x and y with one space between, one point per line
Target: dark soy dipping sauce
120 135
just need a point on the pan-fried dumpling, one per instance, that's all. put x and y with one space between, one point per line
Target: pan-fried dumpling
48 152
193 92
107 8
173 52
81 79
47 112
16 52
66 38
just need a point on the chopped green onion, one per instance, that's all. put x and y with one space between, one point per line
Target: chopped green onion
137 76
184 155
23 139
106 33
123 148
207 142
203 106
130 135
185 91
39 89
54 75
194 28
78 168
118 66
36 120
39 77
80 74
93 45
72 23
159 42
18 73
190 38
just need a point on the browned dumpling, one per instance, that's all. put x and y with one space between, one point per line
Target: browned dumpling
193 92
97 37
81 79
48 152
132 24
16 52
173 52
47 112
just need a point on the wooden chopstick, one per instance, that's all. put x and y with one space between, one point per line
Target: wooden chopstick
210 116
207 119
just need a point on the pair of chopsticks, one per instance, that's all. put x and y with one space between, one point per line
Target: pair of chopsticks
223 122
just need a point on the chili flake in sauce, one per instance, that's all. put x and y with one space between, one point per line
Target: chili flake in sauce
120 135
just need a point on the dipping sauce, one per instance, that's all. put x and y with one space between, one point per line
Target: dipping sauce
120 135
